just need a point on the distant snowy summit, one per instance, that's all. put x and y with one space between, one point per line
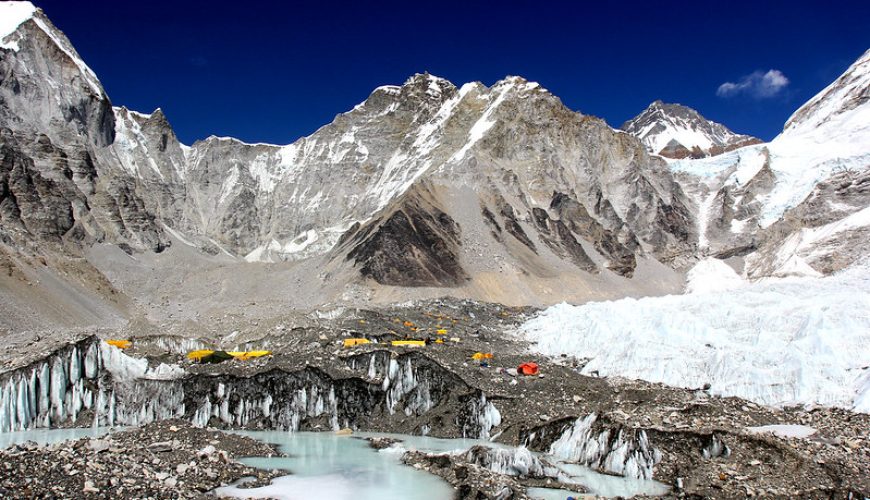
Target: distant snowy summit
677 131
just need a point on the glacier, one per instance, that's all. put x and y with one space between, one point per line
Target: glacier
794 341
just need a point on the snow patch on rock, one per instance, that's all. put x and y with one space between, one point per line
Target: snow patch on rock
785 431
12 15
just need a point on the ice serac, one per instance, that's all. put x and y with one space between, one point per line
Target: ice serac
796 205
92 383
677 131
619 451
811 331
88 380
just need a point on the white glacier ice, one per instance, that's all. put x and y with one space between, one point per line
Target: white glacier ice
484 417
712 275
510 461
778 342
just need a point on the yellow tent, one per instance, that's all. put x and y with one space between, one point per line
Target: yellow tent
243 355
356 342
120 344
198 355
409 343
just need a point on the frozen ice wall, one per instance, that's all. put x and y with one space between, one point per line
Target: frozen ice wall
624 452
88 376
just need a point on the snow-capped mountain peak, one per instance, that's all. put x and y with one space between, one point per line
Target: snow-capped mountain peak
677 131
14 16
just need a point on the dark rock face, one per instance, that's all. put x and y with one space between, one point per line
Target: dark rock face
489 219
29 202
674 219
415 245
560 239
575 216
47 195
512 226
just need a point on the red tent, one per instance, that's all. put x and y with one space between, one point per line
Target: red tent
528 369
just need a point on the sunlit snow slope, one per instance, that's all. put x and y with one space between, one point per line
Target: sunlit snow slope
831 132
800 341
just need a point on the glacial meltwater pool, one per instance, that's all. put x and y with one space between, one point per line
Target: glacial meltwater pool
326 465
50 436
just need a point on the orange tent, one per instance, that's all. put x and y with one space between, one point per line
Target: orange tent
528 369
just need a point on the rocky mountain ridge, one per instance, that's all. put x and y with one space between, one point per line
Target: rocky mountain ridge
492 193
267 202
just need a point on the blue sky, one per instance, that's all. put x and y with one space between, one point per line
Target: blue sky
276 71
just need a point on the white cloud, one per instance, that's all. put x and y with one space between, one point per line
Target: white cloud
758 84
